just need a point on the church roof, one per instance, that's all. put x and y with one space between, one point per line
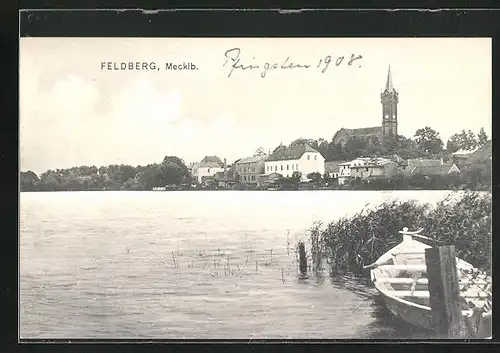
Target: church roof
361 132
365 131
283 153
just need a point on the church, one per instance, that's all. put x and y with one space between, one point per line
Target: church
389 99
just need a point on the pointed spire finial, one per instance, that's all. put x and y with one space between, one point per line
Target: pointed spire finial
388 86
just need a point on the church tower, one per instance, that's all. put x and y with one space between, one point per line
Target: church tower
389 100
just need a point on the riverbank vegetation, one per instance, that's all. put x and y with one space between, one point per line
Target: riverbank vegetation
463 220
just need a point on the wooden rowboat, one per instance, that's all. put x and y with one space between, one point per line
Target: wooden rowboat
400 277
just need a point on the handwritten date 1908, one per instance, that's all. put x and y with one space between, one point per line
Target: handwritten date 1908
234 61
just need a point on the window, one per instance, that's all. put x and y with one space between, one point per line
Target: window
275 168
315 157
293 167
282 167
308 156
287 166
296 167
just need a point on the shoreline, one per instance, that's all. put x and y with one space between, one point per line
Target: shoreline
264 190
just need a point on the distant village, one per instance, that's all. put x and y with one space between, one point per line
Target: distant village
305 164
371 158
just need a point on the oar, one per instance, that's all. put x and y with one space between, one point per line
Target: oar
375 264
415 233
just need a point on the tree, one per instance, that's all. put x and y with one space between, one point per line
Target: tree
467 140
259 152
296 176
428 140
148 177
355 147
314 177
482 138
453 143
301 141
28 180
126 172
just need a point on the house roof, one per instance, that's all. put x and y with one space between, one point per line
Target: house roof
433 169
419 162
481 154
210 161
369 161
397 159
283 153
253 159
332 166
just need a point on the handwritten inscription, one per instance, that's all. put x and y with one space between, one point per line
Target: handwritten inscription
234 62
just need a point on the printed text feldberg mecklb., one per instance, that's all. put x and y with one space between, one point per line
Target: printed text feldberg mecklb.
147 66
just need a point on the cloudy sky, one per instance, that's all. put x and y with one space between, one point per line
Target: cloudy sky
73 113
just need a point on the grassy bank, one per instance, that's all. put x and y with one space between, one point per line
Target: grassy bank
463 220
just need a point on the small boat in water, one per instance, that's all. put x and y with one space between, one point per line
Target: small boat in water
400 276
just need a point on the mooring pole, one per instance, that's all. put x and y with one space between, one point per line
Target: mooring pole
302 258
444 291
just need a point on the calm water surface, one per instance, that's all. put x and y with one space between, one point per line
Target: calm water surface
191 265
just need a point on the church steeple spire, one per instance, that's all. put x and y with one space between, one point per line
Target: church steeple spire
389 100
388 86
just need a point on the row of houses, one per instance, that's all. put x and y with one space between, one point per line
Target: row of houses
284 161
366 168
260 169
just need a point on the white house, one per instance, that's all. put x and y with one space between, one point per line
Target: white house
365 168
302 158
333 168
344 172
208 167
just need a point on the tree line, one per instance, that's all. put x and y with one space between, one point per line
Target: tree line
171 171
426 143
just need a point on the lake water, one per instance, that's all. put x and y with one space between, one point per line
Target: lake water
192 265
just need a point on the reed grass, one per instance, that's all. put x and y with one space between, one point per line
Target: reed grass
463 220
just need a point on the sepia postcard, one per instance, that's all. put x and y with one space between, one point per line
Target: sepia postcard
255 188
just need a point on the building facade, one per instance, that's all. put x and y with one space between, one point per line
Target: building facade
332 168
302 158
249 169
368 168
389 127
208 167
365 168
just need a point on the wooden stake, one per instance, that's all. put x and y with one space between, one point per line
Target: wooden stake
444 290
302 258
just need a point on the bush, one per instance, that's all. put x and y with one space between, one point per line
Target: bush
463 221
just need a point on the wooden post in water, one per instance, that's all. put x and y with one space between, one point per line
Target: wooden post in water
444 291
302 258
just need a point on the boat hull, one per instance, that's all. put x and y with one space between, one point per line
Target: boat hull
415 315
